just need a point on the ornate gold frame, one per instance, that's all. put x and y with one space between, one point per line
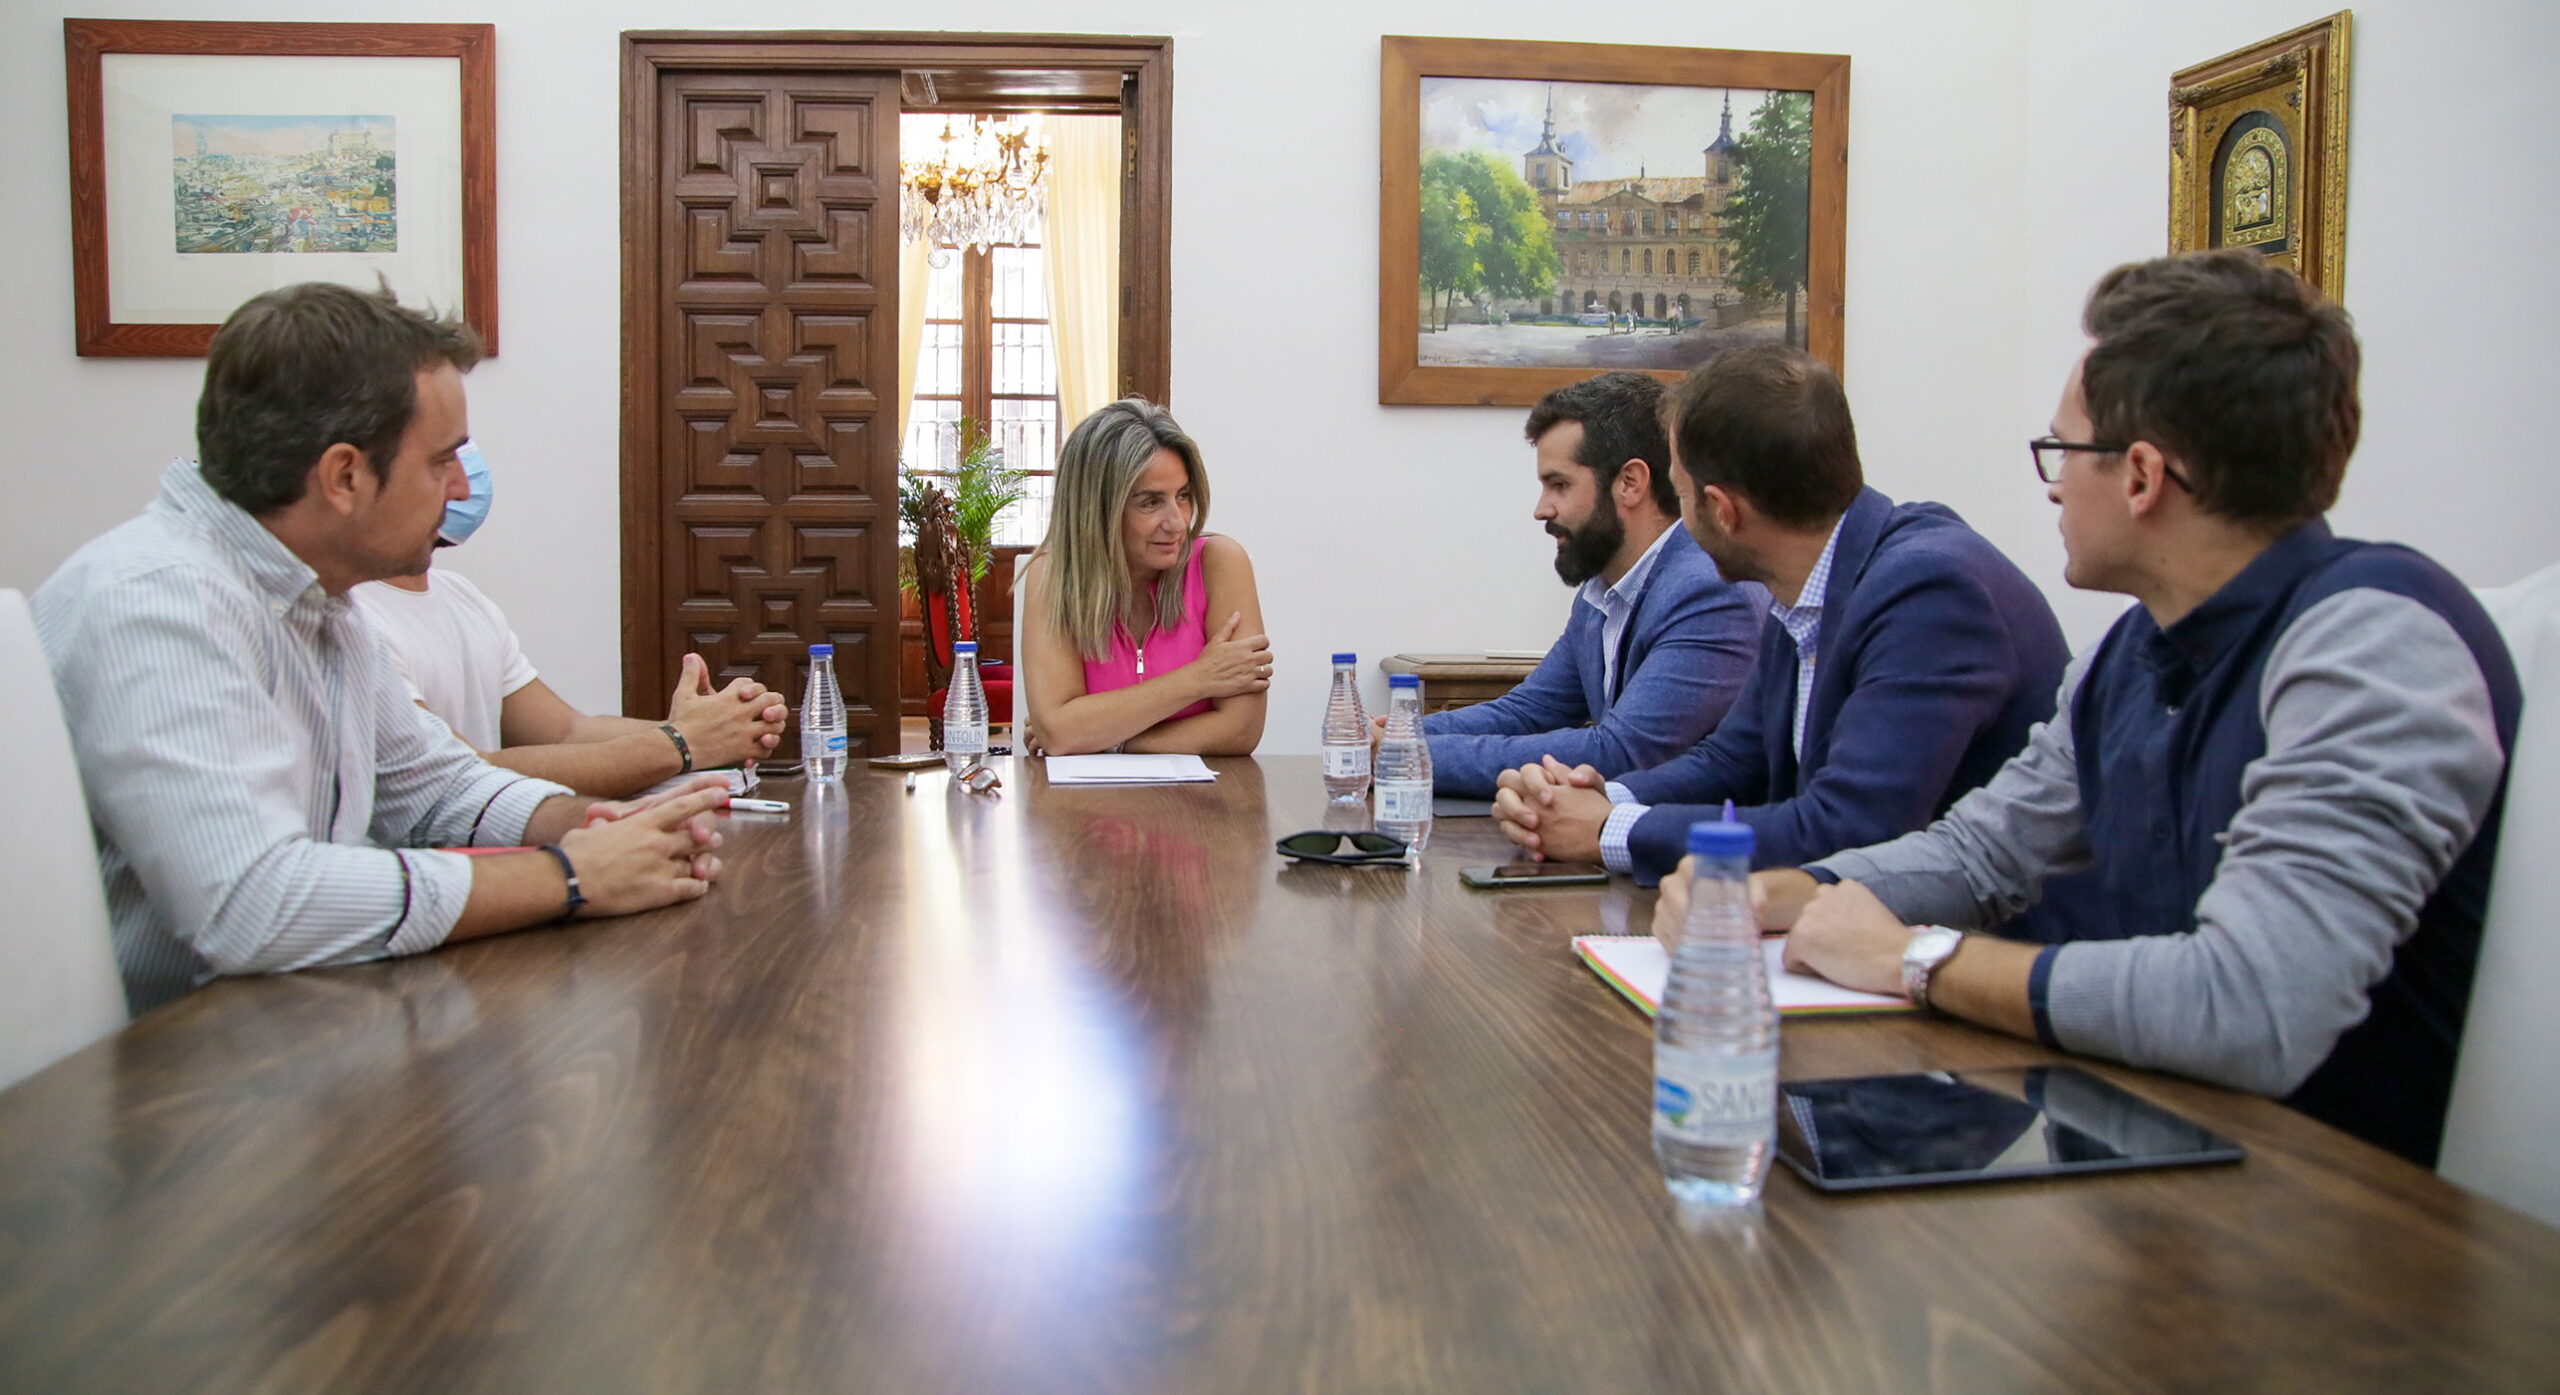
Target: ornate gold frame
2295 82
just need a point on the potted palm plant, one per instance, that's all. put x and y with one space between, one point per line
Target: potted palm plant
982 488
978 488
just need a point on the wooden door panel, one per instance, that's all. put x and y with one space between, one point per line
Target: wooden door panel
775 461
759 340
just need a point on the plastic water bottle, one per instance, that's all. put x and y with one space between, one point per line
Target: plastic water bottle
822 742
964 714
1402 780
1346 735
1715 1040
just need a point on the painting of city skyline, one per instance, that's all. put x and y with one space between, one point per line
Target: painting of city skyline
1607 225
296 184
1547 211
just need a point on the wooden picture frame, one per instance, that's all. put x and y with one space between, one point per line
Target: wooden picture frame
1489 369
2258 152
148 272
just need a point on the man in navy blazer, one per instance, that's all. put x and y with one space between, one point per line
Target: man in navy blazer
1904 661
1658 643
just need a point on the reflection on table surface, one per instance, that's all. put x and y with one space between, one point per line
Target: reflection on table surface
1065 1089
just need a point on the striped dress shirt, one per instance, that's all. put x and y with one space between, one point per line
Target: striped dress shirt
260 783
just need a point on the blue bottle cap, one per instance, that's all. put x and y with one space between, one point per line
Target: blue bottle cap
1404 680
1716 838
1346 658
966 646
822 651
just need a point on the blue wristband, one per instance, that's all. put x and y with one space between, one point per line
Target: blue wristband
577 898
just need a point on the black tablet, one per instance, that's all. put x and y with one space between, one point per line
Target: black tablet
1979 1126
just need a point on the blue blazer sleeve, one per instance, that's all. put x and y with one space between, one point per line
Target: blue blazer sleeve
1930 663
1695 640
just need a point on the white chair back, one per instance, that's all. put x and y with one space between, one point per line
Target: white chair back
2519 609
1021 670
2506 1086
58 985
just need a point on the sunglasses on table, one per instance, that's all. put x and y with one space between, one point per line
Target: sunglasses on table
1326 846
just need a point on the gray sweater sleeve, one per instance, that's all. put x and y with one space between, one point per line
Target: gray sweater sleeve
1988 858
2382 757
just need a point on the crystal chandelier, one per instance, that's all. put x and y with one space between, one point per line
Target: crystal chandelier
978 183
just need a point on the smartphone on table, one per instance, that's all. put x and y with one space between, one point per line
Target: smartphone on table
1511 874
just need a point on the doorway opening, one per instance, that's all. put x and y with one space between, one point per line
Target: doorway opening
762 284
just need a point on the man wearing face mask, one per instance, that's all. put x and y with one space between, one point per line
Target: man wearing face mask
460 658
1657 644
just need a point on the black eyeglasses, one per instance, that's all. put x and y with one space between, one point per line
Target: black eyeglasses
1324 845
2050 471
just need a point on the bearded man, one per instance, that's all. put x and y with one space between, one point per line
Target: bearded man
1658 642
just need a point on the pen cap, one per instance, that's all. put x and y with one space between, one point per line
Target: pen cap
1718 838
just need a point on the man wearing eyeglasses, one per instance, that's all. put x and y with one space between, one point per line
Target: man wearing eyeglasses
2282 767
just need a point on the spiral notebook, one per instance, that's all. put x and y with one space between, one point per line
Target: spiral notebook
1636 966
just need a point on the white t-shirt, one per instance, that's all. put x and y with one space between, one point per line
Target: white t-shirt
455 649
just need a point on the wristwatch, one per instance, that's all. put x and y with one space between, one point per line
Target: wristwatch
1921 958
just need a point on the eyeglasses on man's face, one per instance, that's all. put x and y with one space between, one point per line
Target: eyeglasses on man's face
2047 452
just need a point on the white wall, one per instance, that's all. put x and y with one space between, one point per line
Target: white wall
2000 157
2451 199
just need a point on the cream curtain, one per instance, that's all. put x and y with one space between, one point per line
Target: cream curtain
913 281
1083 260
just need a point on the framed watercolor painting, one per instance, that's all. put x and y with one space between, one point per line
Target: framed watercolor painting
2258 152
1549 210
210 162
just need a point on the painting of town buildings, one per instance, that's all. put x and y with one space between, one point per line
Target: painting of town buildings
286 184
1609 225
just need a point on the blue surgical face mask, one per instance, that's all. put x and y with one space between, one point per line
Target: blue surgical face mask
463 517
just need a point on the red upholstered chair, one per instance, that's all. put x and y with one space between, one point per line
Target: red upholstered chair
941 629
943 580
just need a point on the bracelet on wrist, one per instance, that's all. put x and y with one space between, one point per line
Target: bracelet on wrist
569 873
684 752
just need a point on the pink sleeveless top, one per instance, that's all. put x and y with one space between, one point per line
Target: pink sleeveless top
1165 650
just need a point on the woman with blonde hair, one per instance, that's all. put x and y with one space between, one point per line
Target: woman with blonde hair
1120 650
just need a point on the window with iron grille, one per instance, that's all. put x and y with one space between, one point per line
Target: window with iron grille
987 355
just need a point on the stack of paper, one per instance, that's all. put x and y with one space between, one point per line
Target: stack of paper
1636 966
1129 770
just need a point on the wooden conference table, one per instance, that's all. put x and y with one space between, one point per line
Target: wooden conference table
1079 1089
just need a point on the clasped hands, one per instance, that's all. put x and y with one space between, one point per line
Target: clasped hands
741 722
635 854
1552 810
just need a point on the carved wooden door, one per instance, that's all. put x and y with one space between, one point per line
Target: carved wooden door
765 492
